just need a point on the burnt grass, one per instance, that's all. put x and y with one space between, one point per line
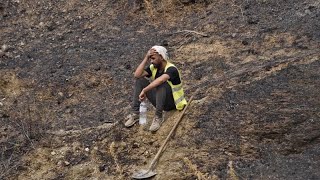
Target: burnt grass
278 117
68 68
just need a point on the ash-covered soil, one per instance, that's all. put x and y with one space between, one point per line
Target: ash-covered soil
66 80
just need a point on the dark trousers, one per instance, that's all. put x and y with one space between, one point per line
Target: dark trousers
161 97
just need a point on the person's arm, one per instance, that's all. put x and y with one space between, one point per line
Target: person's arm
140 72
163 78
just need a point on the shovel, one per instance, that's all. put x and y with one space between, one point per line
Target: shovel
147 173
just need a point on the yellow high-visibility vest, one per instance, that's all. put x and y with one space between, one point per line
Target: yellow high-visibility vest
177 90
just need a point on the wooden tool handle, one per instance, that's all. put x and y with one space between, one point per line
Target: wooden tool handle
169 135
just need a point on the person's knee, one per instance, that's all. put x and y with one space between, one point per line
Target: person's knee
161 87
165 86
141 81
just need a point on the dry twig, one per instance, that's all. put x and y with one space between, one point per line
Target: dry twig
195 170
190 31
234 4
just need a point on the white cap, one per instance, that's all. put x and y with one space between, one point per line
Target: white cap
162 51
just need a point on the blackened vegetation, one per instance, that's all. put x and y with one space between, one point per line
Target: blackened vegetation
69 68
278 115
20 132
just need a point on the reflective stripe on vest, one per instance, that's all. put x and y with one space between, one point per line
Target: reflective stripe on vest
177 90
179 100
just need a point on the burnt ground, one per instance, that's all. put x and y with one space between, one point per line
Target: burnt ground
66 80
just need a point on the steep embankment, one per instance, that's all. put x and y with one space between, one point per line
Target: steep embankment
66 81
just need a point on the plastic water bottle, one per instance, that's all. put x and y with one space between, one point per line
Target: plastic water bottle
143 113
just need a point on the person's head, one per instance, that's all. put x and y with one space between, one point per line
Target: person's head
158 56
156 59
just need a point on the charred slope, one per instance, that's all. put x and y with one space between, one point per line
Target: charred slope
66 75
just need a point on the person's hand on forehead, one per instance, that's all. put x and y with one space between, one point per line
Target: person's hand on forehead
153 51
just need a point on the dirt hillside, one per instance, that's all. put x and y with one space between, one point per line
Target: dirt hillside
66 84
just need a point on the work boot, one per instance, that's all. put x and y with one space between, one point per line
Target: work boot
131 119
156 123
